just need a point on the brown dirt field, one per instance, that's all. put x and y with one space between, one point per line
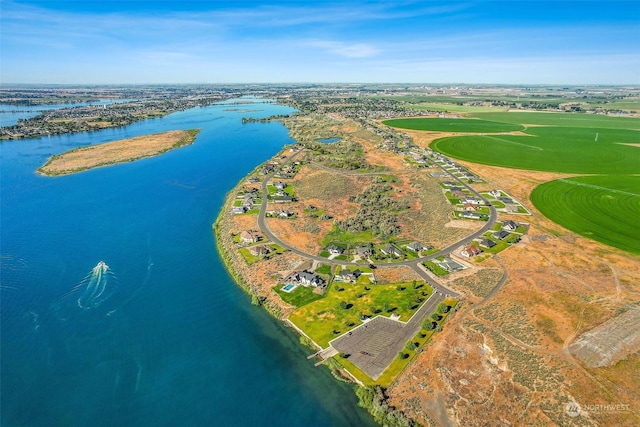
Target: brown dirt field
244 222
395 274
121 151
290 232
430 211
390 160
328 191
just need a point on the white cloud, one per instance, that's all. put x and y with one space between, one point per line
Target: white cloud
348 50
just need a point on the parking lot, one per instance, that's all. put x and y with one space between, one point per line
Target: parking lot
373 345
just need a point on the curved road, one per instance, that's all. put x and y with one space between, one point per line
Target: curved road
415 264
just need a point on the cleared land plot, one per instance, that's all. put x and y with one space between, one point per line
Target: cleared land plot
553 149
326 319
110 153
453 125
603 208
610 342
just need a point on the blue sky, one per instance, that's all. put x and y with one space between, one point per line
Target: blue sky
508 42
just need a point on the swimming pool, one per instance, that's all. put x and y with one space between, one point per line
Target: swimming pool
290 287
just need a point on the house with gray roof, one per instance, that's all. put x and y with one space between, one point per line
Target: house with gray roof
488 243
501 235
362 250
509 225
450 265
392 250
416 246
470 215
335 250
307 278
347 275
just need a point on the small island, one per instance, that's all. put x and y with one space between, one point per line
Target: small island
121 151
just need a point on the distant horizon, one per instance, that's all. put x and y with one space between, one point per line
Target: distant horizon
301 83
189 42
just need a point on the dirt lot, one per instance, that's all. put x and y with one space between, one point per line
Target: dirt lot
121 151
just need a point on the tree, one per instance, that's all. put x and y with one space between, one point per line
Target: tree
428 325
443 308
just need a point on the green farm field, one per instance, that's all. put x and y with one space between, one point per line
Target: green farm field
561 119
453 125
552 149
603 208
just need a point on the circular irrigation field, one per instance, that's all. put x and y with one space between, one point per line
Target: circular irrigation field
453 125
602 208
553 149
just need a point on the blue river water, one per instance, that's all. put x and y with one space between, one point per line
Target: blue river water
115 307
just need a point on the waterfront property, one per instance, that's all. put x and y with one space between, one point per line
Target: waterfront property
306 278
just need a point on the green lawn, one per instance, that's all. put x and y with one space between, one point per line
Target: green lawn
325 319
453 125
248 257
324 269
336 236
435 268
501 245
300 296
603 208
